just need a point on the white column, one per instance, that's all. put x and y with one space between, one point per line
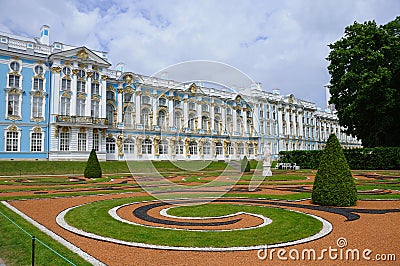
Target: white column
103 97
120 104
170 104
88 90
154 106
137 106
185 114
280 121
54 91
74 94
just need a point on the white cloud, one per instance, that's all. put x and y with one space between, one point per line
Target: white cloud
282 44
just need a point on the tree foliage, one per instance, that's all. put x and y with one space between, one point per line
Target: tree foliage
245 165
365 82
93 168
334 185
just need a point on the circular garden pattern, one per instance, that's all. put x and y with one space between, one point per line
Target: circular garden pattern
193 224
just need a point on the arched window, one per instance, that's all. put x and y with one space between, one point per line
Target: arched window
229 124
129 146
218 148
207 148
239 125
161 122
163 147
240 150
204 122
110 114
146 146
178 147
193 148
192 118
251 149
177 120
217 121
144 117
229 148
110 145
128 116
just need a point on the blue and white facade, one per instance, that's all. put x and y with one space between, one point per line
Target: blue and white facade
60 102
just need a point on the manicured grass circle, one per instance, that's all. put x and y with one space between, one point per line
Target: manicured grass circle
286 225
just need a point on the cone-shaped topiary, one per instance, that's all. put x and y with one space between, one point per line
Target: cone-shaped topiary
245 165
334 185
93 168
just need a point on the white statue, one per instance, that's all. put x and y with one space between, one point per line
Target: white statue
267 160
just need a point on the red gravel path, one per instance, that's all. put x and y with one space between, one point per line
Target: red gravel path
377 232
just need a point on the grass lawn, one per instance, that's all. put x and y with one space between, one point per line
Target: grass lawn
15 247
286 226
16 168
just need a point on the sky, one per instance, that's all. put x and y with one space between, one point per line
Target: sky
281 44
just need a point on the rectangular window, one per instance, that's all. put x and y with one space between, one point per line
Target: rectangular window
36 142
218 149
81 141
95 109
66 84
37 107
80 86
179 147
163 148
80 107
206 149
95 88
129 147
64 141
96 141
13 81
65 106
110 145
38 84
13 104
12 141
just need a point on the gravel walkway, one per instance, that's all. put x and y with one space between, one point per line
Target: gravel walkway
378 232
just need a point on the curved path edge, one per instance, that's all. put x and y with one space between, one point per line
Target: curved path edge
326 229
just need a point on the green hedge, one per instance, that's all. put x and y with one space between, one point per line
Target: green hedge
387 158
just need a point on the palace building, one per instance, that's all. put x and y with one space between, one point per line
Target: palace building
61 101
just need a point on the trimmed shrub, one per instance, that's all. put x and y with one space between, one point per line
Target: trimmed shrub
334 185
245 165
93 168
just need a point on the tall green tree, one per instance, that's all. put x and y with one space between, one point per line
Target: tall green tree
93 168
334 185
365 82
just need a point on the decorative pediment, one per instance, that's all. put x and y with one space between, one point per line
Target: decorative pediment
12 128
81 54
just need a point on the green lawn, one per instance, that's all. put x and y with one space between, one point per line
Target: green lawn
15 244
286 226
16 168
